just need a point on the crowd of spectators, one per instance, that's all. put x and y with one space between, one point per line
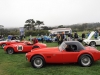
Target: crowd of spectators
58 37
74 37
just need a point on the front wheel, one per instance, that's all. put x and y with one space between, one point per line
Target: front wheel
10 50
85 60
37 61
93 44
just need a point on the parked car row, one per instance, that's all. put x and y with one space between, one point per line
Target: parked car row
68 52
47 39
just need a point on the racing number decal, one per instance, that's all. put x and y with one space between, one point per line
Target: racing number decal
19 47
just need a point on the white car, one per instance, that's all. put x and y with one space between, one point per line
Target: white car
90 41
8 40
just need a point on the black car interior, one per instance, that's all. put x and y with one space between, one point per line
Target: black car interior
71 48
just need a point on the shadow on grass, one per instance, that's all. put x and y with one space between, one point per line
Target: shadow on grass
95 64
67 64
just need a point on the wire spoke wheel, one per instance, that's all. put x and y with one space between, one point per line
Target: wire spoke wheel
10 51
85 60
37 61
92 44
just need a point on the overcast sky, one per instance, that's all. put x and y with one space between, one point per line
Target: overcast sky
14 13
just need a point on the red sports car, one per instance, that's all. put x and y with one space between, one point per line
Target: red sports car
22 47
67 52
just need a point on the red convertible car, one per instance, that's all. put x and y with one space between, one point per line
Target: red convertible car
67 52
22 47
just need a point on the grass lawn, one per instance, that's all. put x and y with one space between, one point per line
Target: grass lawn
16 64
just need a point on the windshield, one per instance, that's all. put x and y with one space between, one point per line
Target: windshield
62 46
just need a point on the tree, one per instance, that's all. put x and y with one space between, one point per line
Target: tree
1 26
61 26
30 24
45 28
27 26
39 23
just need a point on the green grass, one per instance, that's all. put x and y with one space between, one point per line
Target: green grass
16 64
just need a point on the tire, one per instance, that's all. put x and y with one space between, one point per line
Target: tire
85 60
10 51
3 45
37 61
35 47
93 44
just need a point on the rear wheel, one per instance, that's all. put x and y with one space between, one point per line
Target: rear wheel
85 60
37 61
93 44
10 50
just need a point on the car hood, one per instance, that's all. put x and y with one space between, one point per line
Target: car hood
90 36
49 49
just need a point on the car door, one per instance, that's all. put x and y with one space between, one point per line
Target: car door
54 57
70 55
27 48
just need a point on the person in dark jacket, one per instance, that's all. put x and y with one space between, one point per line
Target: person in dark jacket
83 36
62 37
75 36
69 37
58 39
35 41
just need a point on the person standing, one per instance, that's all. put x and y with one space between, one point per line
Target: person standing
42 40
35 40
58 39
88 34
30 38
75 36
62 37
83 36
9 37
69 37
96 34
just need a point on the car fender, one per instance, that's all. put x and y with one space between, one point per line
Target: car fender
85 53
11 46
92 41
37 54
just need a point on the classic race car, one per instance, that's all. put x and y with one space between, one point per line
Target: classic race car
90 41
22 47
67 52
